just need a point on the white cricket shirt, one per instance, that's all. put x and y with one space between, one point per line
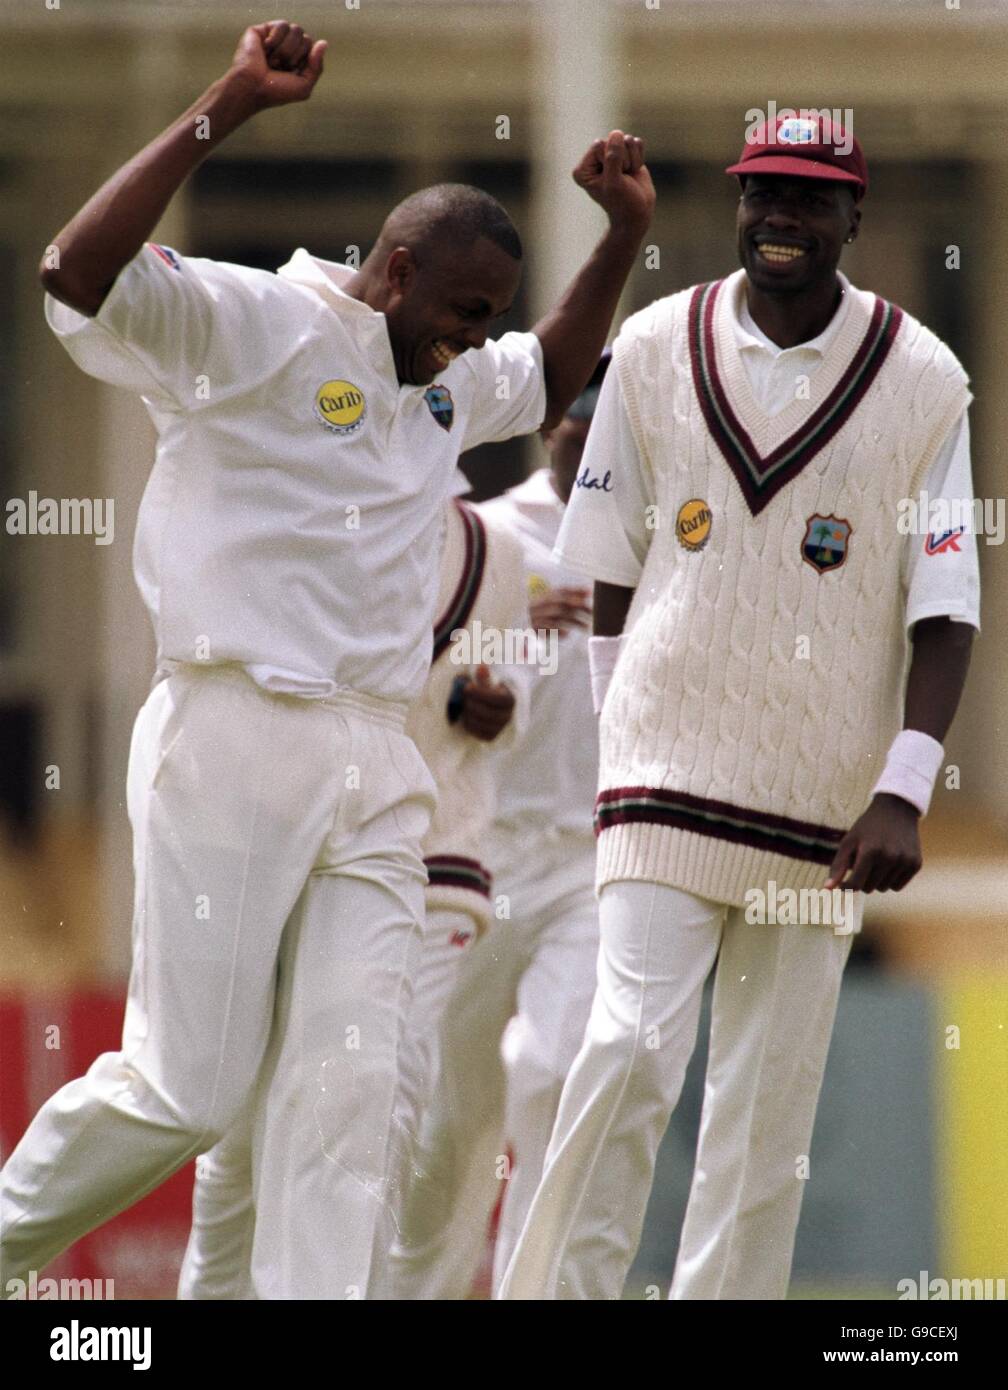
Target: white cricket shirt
291 522
550 777
605 531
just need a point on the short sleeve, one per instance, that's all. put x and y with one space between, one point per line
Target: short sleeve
509 389
171 320
604 532
941 571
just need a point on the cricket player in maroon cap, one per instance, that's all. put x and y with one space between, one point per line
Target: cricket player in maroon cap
777 659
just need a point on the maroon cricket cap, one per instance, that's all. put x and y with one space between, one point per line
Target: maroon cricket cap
805 147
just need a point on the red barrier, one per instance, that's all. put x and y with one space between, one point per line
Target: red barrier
45 1041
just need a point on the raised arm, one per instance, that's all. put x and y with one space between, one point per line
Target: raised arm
573 333
274 64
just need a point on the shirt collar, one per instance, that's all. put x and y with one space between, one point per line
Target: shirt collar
749 335
326 278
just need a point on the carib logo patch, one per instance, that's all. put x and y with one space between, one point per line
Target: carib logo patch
693 524
340 406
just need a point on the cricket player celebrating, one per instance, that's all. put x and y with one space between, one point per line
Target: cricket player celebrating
309 424
457 723
756 610
515 1019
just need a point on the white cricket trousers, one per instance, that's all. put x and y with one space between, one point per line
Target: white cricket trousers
218 1258
775 997
269 833
528 982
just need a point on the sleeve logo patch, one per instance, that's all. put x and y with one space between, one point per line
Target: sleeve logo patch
936 543
169 256
440 404
340 406
693 524
586 479
825 544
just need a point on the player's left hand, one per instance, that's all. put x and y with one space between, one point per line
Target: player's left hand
881 851
614 174
564 608
487 706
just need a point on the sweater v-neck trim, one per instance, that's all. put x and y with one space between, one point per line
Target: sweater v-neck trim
793 437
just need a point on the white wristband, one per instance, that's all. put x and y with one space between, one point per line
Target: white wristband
911 768
603 653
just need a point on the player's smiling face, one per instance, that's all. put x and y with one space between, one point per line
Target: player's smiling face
444 304
791 231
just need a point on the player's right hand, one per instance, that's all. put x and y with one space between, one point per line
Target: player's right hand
279 62
487 706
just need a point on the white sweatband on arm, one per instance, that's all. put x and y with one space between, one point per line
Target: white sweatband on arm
911 768
603 653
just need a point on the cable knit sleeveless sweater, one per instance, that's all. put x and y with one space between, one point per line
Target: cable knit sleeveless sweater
763 668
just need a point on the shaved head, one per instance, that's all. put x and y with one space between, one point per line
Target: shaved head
448 218
447 263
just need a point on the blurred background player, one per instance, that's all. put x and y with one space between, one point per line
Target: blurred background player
760 434
515 1019
456 723
463 723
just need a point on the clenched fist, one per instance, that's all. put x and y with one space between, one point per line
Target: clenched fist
279 62
613 173
487 706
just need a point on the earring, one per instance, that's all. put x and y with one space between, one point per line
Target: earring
850 239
